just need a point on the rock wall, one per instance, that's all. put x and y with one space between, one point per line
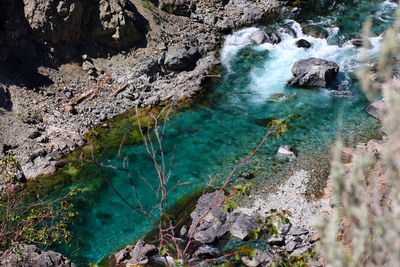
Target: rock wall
62 25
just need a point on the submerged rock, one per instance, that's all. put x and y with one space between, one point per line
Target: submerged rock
313 72
247 175
285 153
376 109
303 43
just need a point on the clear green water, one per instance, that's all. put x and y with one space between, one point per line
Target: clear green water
214 134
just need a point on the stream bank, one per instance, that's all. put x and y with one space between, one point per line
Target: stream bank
243 105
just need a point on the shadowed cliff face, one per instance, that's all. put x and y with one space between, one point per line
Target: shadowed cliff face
66 29
12 25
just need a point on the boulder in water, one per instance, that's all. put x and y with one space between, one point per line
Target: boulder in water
359 42
316 31
303 43
313 72
258 37
376 109
285 153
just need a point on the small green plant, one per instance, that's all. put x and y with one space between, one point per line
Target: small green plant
271 224
39 222
229 203
8 167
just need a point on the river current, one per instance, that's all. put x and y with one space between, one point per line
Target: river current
224 127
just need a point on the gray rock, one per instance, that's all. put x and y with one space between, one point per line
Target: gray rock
258 37
285 153
180 58
303 43
301 250
276 241
313 72
141 253
30 255
55 21
285 228
210 227
316 31
274 38
260 258
296 231
291 246
123 254
377 109
206 251
240 224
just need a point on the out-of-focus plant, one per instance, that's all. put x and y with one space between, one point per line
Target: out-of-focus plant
364 229
33 222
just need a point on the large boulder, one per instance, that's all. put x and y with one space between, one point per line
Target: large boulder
313 72
53 20
179 58
210 227
377 109
303 43
118 24
216 222
258 37
30 255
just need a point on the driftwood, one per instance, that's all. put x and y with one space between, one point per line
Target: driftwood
120 89
99 85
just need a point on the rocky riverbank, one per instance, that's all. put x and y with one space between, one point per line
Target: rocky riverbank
68 66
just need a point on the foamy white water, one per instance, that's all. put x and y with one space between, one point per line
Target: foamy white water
272 78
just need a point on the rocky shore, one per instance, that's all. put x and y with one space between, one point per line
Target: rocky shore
65 69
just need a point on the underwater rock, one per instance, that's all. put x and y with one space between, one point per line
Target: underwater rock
313 72
376 109
303 43
285 153
247 175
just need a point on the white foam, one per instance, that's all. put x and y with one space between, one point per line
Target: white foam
273 76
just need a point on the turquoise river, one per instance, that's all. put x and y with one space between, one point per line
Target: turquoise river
212 135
